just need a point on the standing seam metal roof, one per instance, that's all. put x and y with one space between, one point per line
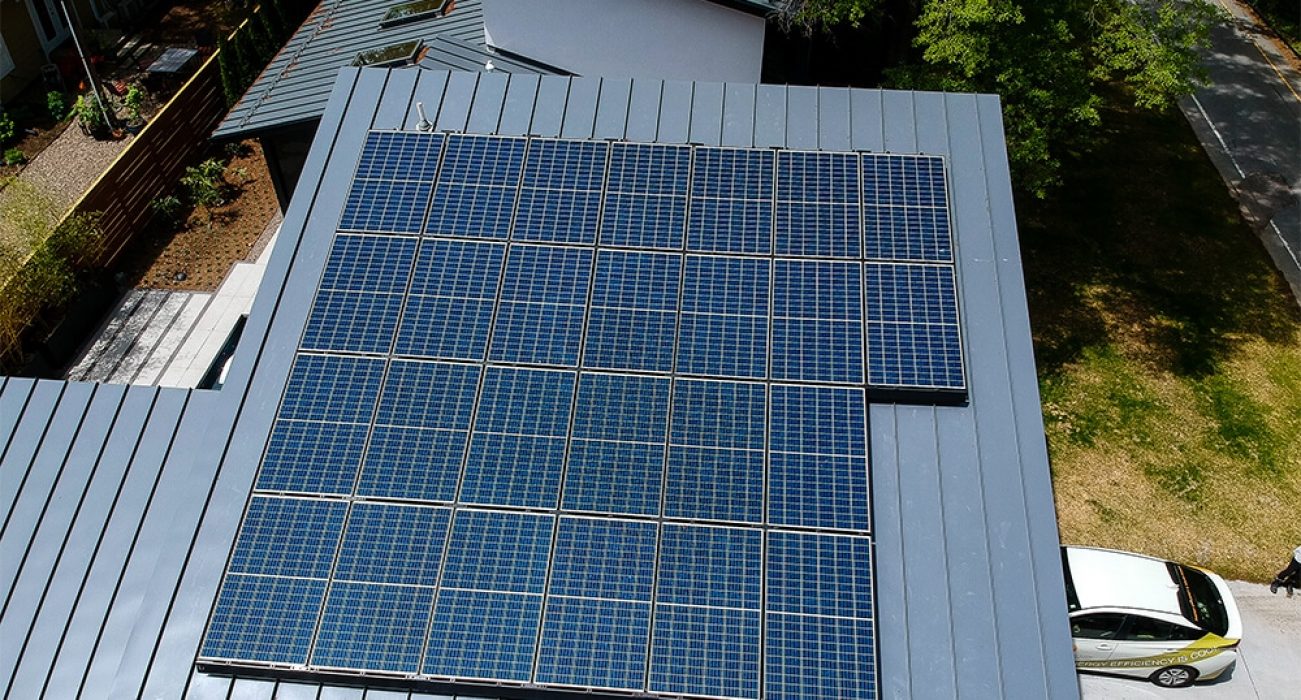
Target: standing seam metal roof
122 503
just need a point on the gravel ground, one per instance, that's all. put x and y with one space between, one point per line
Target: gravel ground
69 165
59 175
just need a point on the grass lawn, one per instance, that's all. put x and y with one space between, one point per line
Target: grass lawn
1169 356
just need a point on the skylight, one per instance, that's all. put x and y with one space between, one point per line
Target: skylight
415 11
391 55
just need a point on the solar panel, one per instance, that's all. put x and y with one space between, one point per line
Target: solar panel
592 417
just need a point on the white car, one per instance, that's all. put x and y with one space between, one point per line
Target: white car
1134 615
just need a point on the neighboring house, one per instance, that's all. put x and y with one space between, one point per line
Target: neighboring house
123 503
30 33
718 40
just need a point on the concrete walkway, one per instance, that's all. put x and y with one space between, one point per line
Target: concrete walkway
1249 121
1269 664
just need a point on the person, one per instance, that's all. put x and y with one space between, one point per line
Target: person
1289 577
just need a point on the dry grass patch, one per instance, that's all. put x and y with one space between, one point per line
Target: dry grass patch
1169 353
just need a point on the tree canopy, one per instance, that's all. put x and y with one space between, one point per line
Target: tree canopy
1049 60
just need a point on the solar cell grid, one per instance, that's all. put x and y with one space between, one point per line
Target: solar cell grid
373 627
606 476
483 635
412 463
368 264
344 321
513 470
332 388
267 619
714 566
385 206
288 537
705 651
400 156
312 457
393 544
498 551
594 643
604 558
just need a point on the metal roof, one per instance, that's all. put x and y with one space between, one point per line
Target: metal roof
294 87
122 503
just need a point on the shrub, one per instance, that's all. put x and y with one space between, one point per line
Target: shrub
134 101
168 207
13 156
7 128
57 105
232 84
87 111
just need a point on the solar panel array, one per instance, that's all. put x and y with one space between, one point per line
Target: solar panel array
593 416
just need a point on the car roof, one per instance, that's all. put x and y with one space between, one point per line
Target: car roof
1107 578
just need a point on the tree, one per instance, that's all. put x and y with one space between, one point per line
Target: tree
232 86
1049 60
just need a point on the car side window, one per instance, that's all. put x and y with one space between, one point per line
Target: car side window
1096 625
1146 629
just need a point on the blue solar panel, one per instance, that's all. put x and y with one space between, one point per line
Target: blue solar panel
731 201
264 618
913 335
818 420
393 544
646 196
705 651
380 206
513 470
525 402
714 566
288 537
560 193
352 322
428 395
819 574
540 317
498 551
412 463
476 190
622 407
373 627
614 477
333 389
818 211
619 443
312 457
395 155
827 491
600 558
715 484
594 643
458 269
818 657
719 414
369 264
484 635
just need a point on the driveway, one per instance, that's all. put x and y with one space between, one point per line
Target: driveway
1249 121
1267 666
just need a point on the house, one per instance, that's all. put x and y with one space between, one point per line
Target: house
124 503
31 31
677 39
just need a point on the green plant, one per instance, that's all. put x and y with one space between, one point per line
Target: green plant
87 111
245 56
205 187
168 207
232 84
237 149
7 128
14 156
134 101
279 20
57 105
264 42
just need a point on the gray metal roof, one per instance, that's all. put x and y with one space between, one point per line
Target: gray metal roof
294 87
122 503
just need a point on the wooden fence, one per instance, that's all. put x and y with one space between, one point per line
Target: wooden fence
153 163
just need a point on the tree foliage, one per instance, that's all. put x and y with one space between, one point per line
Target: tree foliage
1046 59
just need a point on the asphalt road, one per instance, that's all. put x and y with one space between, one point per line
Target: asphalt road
1269 663
1249 120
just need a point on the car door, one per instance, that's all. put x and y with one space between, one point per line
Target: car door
1148 643
1095 635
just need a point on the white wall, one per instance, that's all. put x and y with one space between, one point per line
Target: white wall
673 39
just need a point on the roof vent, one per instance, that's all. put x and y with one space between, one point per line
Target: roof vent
403 54
416 11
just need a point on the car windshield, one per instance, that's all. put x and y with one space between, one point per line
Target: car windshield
1199 599
1072 600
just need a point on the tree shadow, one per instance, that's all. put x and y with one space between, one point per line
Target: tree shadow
1144 247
